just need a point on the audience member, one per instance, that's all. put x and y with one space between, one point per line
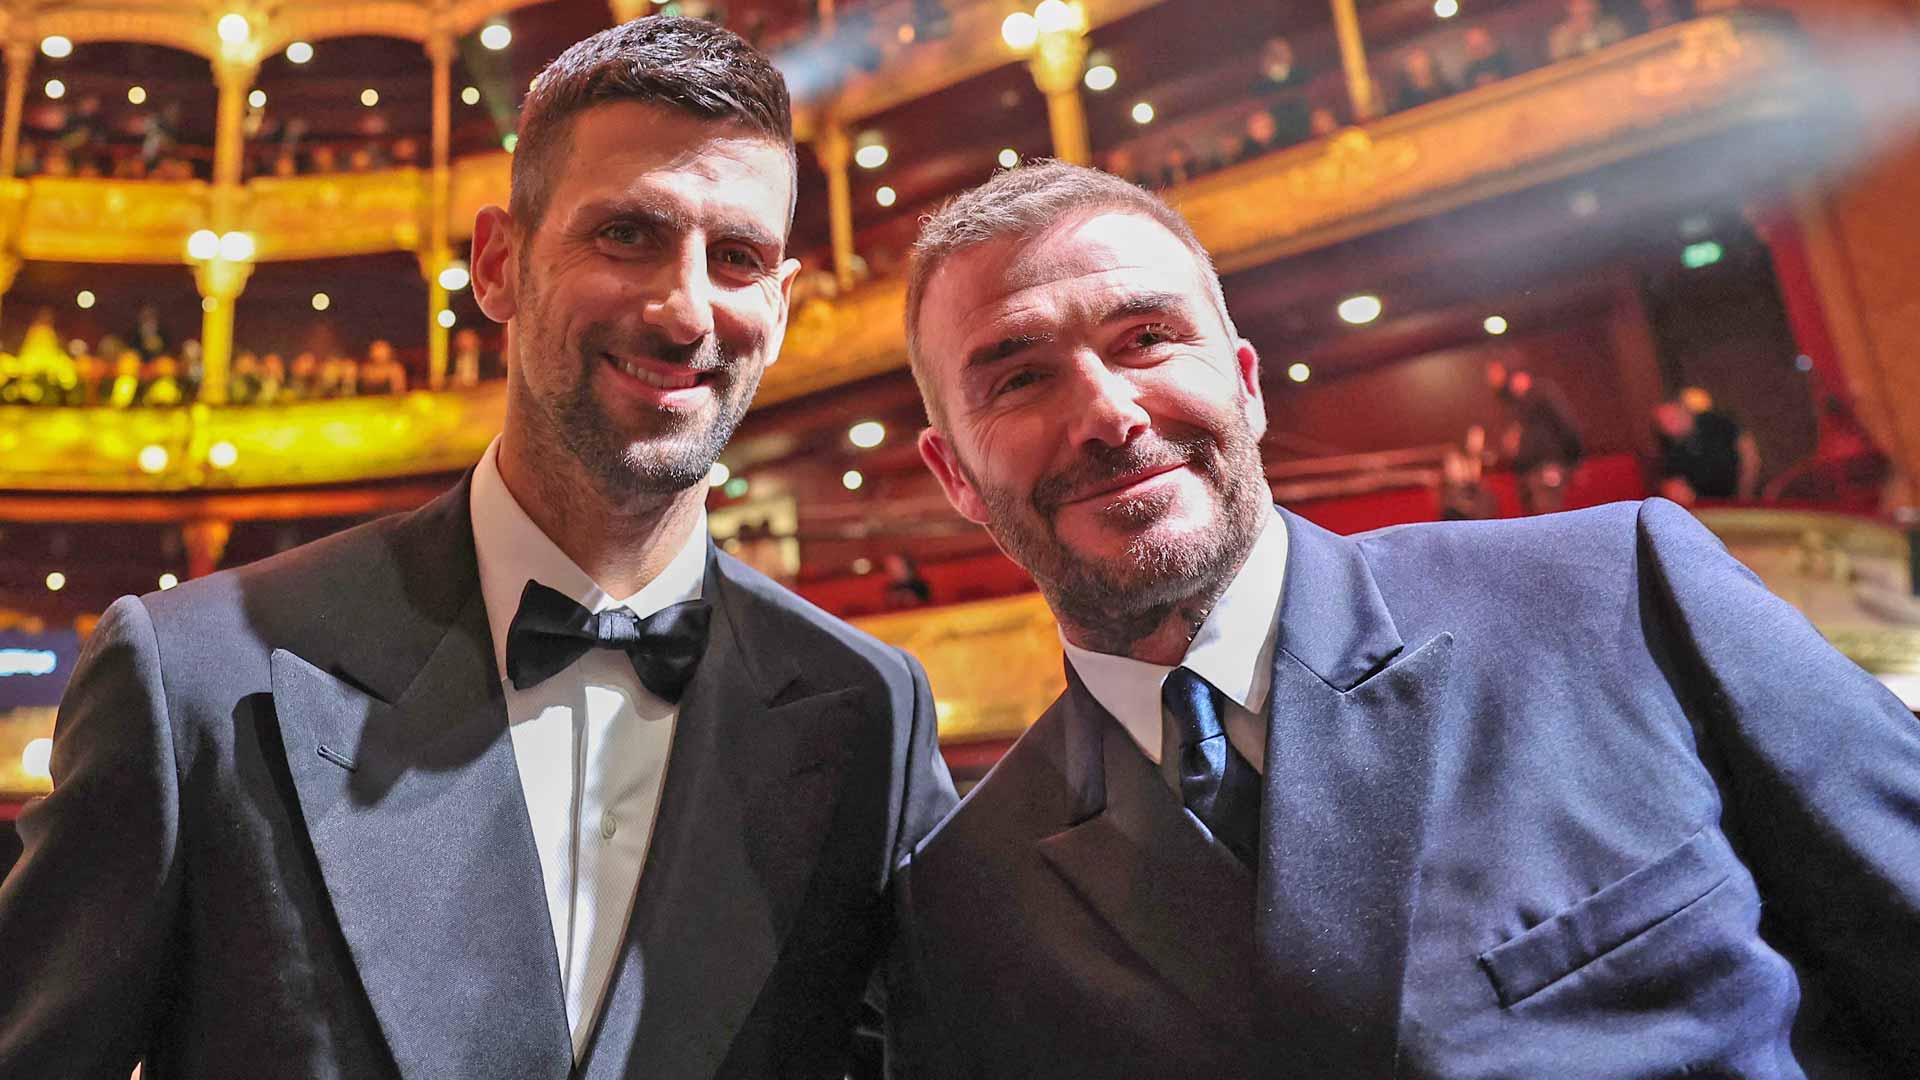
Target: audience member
243 380
303 379
1421 80
466 358
1703 455
1542 441
1584 30
161 383
1486 60
1261 134
382 373
905 587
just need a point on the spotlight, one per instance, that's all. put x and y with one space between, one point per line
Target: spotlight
454 277
496 36
1446 9
299 52
152 458
1101 77
1359 310
56 46
204 244
446 318
1495 325
867 434
1142 113
236 246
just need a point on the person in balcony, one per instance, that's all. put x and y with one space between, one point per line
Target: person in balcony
1260 134
382 373
1542 440
1584 30
303 379
1703 455
323 159
273 379
243 381
1484 59
1421 80
1655 14
123 387
339 377
466 358
147 338
160 383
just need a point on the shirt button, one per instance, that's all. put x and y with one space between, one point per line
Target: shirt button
608 826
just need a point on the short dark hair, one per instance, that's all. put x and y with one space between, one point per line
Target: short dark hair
689 65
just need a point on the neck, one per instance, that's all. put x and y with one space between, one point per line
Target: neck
1158 635
622 547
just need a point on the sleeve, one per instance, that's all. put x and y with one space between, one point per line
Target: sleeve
86 914
1819 768
928 796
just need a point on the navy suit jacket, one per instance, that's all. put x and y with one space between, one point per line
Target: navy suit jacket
1572 796
287 838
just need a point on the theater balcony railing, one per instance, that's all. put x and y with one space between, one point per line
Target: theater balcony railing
1701 79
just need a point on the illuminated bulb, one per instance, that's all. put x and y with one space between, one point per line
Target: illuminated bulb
1359 310
470 95
257 99
233 28
85 299
454 278
718 474
1142 113
56 581
56 89
867 434
1495 325
1009 158
236 246
321 301
37 759
299 52
207 304
369 97
509 141
851 479
222 455
1053 16
1299 372
1020 30
735 487
168 581
445 318
886 196
863 565
871 156
1101 77
152 459
137 95
56 46
496 36
1446 9
204 244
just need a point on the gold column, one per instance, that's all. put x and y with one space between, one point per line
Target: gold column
10 265
19 66
1059 60
235 79
1353 59
439 250
835 152
221 281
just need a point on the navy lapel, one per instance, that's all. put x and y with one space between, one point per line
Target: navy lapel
420 828
1178 899
1349 764
751 786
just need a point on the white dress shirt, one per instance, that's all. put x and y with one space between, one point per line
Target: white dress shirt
1233 651
591 742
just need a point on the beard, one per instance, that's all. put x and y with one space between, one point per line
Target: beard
1120 598
664 452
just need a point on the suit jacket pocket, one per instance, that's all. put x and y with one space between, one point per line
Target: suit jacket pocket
1610 918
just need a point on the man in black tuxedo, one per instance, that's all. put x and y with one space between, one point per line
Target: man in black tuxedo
1563 797
380 806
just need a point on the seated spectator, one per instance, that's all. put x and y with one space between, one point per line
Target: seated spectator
1177 166
322 159
1420 80
466 357
273 378
1261 134
1583 31
1322 121
1704 455
243 382
382 373
1655 14
406 152
162 383
123 387
303 379
905 587
57 162
89 372
339 377
1486 60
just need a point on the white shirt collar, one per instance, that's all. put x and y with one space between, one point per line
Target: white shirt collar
512 551
1233 650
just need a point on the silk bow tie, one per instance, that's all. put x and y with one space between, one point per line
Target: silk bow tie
550 631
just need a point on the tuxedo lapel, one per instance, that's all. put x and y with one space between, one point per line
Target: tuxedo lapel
420 828
1177 898
751 786
1349 761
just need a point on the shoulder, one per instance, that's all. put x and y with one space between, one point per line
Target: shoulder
827 643
1024 797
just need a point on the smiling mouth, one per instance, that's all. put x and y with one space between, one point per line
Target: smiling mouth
659 380
1122 483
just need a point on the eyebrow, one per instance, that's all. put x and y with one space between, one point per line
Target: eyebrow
1131 306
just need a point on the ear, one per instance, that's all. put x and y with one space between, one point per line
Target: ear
783 303
938 453
495 271
1247 362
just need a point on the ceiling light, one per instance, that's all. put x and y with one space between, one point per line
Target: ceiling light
85 299
56 46
321 301
222 455
1704 253
56 581
496 36
1053 16
454 277
718 474
1019 30
137 95
1009 158
470 95
369 97
168 581
1142 113
152 458
851 479
299 52
1495 325
204 244
863 565
236 246
867 434
886 196
37 759
1101 77
56 89
446 318
1360 310
871 156
233 28
1446 9
1299 372
257 99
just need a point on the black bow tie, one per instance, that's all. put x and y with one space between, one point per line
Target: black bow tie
550 631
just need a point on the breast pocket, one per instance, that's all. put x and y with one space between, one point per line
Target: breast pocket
1610 918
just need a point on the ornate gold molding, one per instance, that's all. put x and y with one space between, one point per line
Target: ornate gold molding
994 665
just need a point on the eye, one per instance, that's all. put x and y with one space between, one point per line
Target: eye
1146 337
1019 380
623 233
739 258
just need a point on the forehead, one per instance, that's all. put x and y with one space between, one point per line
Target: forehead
620 146
1052 276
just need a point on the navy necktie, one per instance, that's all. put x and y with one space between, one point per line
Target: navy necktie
1214 781
550 631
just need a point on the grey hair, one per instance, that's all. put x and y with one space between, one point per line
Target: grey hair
1021 203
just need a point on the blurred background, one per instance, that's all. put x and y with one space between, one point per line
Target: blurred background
1498 256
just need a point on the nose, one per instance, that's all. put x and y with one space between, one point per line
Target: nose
1106 403
681 300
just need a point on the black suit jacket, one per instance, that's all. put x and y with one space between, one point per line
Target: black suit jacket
287 837
1565 797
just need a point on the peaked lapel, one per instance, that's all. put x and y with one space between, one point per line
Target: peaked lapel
1349 768
420 828
749 795
1134 855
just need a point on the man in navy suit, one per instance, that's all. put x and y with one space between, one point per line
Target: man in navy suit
1564 797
